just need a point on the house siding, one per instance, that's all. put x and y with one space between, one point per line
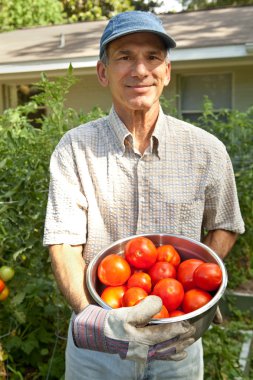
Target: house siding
243 84
87 93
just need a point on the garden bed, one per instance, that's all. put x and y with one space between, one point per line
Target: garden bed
240 298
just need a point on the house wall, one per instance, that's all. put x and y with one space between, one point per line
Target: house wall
1 99
243 84
84 95
88 93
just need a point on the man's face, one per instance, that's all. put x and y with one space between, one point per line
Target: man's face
136 71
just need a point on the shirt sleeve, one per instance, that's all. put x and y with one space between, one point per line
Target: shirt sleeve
66 214
222 210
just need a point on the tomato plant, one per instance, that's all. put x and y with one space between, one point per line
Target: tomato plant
163 313
160 270
168 253
114 270
194 299
170 291
112 295
133 296
141 252
208 276
185 272
140 280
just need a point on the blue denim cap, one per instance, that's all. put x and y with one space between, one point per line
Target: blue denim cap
133 22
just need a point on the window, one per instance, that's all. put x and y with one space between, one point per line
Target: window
193 88
24 95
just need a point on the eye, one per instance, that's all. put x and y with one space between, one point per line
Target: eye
154 57
123 58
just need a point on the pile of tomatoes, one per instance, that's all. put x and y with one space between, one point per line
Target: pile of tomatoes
183 286
6 274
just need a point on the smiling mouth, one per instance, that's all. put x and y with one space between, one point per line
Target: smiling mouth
140 85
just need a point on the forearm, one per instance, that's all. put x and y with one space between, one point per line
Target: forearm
221 241
69 269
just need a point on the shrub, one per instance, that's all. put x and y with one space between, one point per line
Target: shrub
35 313
235 129
34 317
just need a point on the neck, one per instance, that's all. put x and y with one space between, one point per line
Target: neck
141 124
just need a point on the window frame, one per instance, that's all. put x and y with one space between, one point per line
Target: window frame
196 111
10 97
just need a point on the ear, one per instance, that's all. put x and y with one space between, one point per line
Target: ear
102 74
168 73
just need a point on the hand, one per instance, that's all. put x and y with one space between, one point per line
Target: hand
125 331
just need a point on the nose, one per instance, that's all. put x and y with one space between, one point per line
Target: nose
139 69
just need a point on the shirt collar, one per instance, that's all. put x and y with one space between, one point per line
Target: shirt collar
119 129
122 133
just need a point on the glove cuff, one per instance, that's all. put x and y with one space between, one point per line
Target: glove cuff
88 328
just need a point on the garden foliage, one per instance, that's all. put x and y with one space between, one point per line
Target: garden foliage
18 14
235 129
33 320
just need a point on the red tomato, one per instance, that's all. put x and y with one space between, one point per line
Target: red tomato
208 276
4 293
141 252
185 272
140 280
112 295
114 270
2 285
170 291
176 313
194 299
160 270
163 313
133 296
168 253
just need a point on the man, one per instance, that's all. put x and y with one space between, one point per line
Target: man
134 171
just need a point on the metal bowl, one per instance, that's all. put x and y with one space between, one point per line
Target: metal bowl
187 248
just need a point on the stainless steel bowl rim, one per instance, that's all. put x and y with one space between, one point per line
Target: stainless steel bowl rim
193 314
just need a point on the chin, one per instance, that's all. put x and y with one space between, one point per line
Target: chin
141 105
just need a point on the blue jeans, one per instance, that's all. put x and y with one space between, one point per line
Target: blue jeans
92 365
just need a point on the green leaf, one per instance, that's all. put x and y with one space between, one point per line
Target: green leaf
20 316
30 344
20 251
18 299
44 351
14 341
3 162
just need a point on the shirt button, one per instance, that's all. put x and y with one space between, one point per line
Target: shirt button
142 199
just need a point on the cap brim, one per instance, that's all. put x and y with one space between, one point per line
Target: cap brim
170 43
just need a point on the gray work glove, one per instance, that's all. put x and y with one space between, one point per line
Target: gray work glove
218 319
125 331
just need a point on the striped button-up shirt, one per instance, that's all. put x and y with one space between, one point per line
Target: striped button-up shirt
102 189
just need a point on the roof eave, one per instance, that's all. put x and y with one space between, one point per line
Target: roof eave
178 55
